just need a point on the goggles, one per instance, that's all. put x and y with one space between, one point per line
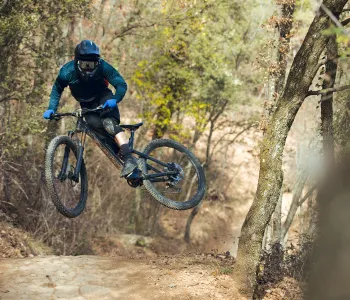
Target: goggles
86 65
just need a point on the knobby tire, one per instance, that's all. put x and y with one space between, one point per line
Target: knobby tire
194 201
49 175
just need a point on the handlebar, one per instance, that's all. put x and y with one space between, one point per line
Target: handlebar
77 113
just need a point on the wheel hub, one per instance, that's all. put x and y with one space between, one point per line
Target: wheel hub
175 179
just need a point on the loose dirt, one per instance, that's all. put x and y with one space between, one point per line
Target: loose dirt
93 277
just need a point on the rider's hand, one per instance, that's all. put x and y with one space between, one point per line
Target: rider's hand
47 114
111 103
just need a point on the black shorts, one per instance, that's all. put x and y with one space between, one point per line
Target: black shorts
95 119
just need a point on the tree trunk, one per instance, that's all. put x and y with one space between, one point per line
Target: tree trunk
156 213
135 216
331 272
147 213
194 212
298 189
266 242
302 72
287 11
285 27
277 222
327 102
333 242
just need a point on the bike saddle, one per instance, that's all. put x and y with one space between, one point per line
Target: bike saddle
132 127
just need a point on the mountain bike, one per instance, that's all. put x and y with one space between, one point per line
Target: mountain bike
167 169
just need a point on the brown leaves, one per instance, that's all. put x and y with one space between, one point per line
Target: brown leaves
275 21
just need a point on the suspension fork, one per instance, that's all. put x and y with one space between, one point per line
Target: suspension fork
63 172
81 145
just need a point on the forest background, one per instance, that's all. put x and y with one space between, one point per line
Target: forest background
206 73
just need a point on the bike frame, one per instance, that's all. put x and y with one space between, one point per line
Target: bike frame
112 154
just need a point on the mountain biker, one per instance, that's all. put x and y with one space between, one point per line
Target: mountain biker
87 77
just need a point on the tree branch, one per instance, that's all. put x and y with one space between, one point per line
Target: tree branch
328 91
345 22
124 31
324 61
307 195
9 98
230 142
332 16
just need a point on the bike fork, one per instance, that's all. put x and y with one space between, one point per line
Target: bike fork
63 172
75 176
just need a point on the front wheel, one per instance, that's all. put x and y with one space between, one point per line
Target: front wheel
181 191
68 193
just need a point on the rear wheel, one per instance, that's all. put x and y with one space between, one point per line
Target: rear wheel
181 191
68 194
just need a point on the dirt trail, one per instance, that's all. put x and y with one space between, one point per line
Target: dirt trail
92 277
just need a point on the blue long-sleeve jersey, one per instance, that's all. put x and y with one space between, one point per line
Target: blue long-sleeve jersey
86 91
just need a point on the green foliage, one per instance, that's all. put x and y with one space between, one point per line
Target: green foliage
187 60
343 39
22 134
226 270
191 70
30 42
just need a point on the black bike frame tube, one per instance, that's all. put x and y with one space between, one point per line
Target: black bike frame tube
149 157
159 179
149 167
149 176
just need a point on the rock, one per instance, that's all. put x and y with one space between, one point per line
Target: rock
172 285
225 284
141 242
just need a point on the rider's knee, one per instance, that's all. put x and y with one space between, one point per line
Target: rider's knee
111 126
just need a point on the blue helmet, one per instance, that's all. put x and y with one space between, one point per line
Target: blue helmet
87 59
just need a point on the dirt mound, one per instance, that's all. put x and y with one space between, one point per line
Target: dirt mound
15 242
199 277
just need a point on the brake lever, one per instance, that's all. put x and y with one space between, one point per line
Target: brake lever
103 110
79 112
56 118
98 108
